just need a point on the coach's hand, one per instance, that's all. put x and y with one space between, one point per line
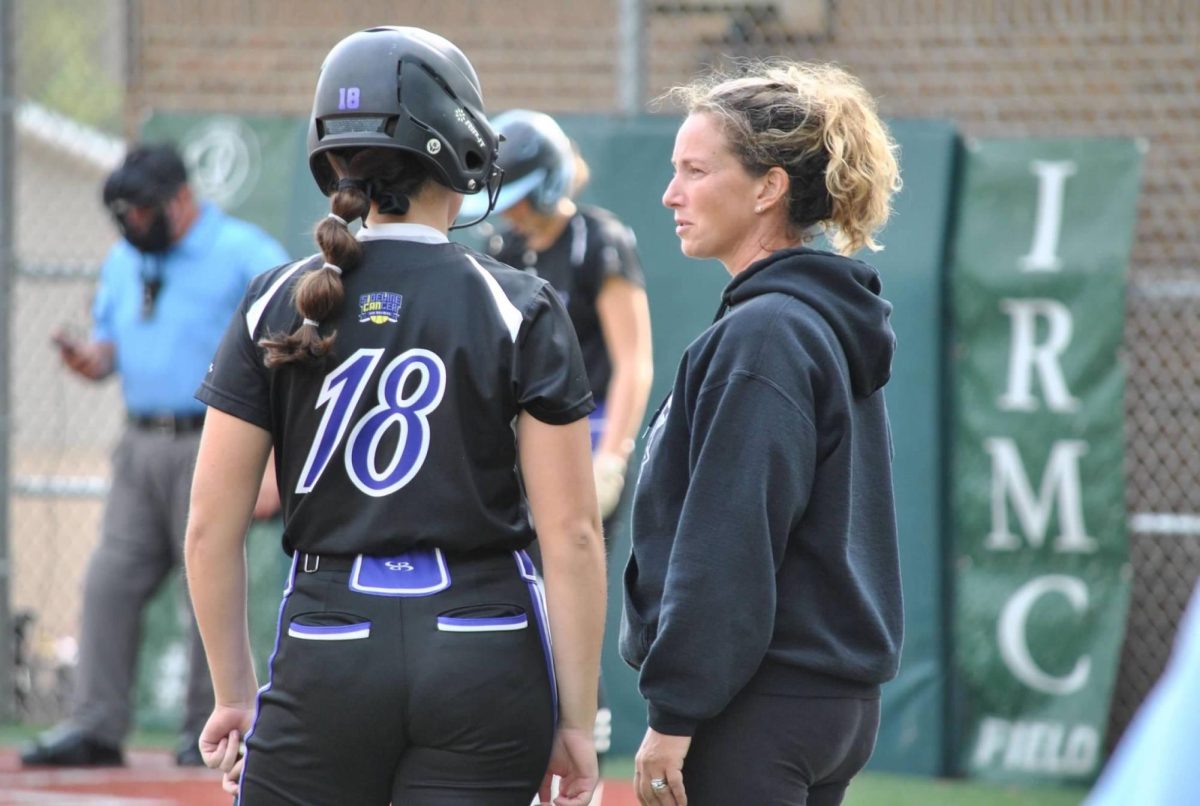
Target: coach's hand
573 759
660 760
221 742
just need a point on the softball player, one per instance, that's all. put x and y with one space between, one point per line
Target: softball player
401 379
591 259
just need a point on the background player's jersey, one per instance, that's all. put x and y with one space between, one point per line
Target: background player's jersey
404 436
594 246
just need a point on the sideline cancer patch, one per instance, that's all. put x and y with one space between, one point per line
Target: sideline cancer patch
379 307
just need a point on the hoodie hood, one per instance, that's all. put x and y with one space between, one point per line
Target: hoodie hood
845 292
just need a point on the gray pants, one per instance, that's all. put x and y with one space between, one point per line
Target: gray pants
140 545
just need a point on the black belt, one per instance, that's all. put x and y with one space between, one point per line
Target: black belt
167 423
311 563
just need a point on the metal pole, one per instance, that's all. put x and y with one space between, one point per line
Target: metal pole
631 65
7 271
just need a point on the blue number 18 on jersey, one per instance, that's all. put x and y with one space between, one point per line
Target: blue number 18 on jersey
340 395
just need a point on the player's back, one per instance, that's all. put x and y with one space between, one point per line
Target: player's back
404 435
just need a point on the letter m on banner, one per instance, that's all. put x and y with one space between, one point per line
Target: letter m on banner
1060 486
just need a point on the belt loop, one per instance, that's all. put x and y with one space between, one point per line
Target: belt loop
316 558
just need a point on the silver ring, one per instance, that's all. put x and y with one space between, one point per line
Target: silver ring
658 784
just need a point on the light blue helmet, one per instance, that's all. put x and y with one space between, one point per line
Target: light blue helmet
538 163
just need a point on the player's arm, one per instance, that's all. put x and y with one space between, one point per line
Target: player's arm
229 469
625 322
556 466
268 502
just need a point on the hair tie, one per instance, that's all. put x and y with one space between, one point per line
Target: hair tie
393 203
351 183
329 265
338 219
312 322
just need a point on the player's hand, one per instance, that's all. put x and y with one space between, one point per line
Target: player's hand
573 759
229 781
221 742
660 759
609 470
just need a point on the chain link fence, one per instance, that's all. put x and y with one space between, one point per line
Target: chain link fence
68 86
997 69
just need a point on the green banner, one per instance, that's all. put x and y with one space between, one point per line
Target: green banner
253 167
1037 485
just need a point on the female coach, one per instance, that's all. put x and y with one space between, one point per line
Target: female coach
402 380
762 597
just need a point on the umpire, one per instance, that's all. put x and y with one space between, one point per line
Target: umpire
166 291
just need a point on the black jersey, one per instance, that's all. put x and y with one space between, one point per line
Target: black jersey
404 437
594 246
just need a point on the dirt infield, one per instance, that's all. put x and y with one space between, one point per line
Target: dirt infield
150 779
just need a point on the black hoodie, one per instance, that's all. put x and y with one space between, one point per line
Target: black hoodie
764 530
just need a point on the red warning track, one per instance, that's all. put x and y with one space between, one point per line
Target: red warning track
150 779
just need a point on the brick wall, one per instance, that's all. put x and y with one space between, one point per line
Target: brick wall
1022 67
263 55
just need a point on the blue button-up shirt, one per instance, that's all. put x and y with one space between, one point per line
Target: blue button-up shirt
163 358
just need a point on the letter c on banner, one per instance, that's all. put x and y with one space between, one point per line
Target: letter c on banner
1012 631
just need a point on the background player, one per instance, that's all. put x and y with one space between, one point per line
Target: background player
388 371
591 259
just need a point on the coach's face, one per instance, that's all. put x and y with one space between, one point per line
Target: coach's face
711 193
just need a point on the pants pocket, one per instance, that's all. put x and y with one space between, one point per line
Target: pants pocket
483 618
329 627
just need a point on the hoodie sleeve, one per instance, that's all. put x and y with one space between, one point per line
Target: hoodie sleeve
751 463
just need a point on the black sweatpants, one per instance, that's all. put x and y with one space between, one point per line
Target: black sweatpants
425 700
777 750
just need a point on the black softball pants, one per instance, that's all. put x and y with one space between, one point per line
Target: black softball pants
437 699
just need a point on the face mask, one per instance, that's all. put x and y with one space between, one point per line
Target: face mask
155 239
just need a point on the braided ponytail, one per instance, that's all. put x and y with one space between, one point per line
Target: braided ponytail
319 294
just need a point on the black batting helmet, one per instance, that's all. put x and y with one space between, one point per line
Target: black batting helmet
409 89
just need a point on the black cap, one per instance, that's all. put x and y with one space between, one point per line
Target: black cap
149 175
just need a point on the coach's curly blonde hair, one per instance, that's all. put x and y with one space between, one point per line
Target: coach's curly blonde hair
818 123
